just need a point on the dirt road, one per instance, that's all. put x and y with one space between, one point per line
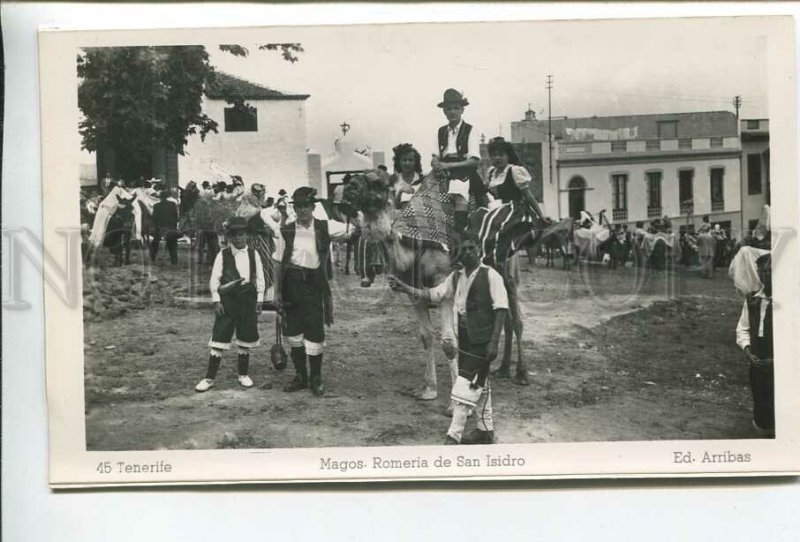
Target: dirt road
610 359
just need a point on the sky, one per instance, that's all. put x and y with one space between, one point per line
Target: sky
385 80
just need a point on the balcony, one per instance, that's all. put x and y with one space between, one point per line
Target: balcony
687 208
654 212
619 215
717 206
619 146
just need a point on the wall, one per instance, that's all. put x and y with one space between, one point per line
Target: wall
752 205
598 180
315 171
275 155
526 132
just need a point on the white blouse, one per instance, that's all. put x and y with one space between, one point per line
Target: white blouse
520 175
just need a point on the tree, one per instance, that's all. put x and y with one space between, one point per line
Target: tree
141 104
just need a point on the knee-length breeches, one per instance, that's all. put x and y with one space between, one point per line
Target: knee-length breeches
303 293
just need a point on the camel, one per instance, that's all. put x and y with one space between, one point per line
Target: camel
424 264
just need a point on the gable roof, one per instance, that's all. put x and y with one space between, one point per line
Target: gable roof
223 85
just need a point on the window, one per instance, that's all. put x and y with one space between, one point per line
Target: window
753 174
653 194
619 191
753 124
686 190
717 189
667 129
241 119
619 146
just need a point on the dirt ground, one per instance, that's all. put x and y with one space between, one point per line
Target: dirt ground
610 359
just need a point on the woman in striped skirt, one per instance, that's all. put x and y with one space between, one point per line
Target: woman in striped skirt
515 212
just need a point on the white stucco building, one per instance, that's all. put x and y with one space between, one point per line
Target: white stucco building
755 169
641 167
265 144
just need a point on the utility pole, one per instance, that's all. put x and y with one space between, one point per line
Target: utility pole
737 103
549 87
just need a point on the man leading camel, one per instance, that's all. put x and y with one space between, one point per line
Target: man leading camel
479 311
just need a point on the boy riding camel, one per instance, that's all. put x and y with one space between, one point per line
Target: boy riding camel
458 158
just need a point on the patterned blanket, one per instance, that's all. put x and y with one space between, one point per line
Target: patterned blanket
428 216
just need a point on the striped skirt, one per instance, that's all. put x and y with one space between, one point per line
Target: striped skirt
504 230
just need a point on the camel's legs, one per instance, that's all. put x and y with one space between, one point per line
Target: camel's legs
428 392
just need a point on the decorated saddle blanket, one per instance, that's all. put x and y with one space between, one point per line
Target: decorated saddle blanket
428 217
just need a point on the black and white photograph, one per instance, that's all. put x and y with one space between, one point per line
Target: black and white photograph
421 235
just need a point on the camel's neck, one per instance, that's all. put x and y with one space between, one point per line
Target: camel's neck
411 263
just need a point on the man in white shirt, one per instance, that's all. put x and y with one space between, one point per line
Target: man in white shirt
458 158
304 292
237 287
752 273
480 305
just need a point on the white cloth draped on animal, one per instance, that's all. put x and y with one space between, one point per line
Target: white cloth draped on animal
147 198
744 272
105 211
649 241
587 240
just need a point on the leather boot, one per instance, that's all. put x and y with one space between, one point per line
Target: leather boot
316 375
300 381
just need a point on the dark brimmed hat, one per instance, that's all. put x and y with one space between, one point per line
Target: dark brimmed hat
305 195
236 223
452 96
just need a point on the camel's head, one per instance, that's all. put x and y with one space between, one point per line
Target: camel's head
368 192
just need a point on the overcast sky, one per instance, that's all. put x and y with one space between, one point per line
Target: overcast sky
385 81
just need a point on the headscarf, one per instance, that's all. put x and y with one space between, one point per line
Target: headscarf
744 272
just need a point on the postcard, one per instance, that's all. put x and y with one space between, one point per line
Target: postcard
495 250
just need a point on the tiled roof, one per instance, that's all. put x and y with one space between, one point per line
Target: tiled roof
224 85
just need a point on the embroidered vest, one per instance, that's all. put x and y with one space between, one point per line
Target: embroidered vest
480 314
761 347
462 140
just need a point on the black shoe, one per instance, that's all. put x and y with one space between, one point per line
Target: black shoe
317 388
296 384
448 440
476 436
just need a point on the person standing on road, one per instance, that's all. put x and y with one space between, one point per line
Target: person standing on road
165 220
751 270
304 291
706 247
480 305
237 287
